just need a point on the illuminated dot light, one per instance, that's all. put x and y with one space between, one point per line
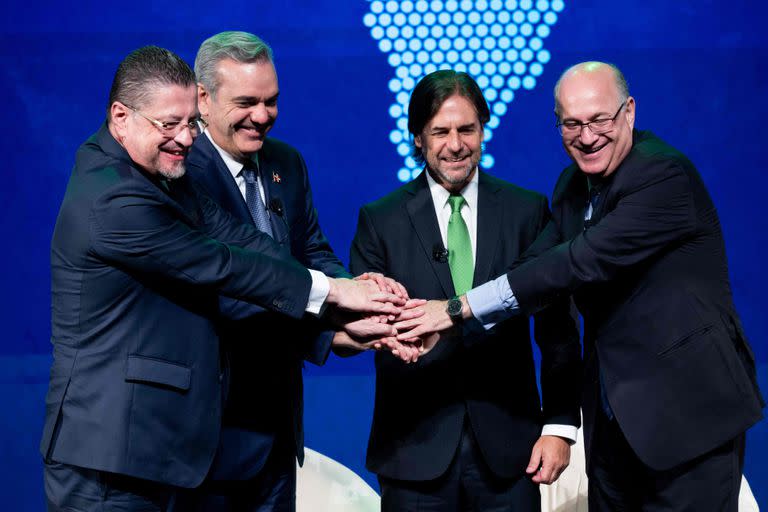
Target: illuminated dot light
499 42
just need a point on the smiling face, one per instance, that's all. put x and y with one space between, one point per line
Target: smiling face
451 143
243 108
587 94
148 146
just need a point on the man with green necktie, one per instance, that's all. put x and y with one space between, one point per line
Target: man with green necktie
464 428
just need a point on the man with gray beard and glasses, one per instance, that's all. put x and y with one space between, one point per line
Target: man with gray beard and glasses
141 266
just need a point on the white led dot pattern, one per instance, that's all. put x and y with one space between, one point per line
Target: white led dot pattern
499 42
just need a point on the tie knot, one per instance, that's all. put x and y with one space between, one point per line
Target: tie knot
456 202
250 172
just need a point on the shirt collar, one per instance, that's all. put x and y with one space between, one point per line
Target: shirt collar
440 194
235 167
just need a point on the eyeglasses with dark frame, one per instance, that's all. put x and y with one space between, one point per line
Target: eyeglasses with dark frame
171 128
596 126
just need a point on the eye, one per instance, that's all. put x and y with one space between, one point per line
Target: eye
170 125
571 125
601 123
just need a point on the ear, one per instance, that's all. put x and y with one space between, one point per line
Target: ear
119 114
630 112
417 141
203 100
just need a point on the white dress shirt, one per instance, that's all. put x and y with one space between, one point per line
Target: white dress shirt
320 284
469 214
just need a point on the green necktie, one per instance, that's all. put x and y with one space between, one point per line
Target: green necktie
459 247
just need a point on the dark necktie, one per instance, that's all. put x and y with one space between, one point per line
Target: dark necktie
253 199
589 214
592 202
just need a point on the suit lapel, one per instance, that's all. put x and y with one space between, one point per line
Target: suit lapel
223 184
489 215
273 191
421 211
573 200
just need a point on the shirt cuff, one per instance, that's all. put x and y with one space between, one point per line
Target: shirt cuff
318 293
565 431
493 302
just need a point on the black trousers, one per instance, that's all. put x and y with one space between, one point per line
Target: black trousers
467 485
272 489
619 481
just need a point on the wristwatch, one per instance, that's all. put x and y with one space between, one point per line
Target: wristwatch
454 309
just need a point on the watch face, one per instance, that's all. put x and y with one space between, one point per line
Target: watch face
454 307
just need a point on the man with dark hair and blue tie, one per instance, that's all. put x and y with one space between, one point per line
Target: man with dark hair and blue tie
264 181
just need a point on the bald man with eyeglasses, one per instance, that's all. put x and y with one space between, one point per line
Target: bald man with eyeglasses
635 239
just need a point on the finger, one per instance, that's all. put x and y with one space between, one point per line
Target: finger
407 324
384 308
381 283
535 461
417 331
545 474
398 288
377 330
414 303
410 314
380 296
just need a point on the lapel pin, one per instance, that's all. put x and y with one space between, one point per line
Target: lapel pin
275 177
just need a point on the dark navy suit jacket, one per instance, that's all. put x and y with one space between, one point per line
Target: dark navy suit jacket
265 382
137 268
489 378
650 277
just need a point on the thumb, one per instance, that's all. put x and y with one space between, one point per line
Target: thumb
535 462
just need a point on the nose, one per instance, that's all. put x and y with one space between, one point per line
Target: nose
587 136
454 141
185 136
259 114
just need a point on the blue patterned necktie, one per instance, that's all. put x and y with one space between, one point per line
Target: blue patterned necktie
253 199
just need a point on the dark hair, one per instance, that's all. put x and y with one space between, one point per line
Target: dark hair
144 69
430 93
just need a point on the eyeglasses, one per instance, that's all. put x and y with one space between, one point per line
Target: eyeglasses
171 128
597 126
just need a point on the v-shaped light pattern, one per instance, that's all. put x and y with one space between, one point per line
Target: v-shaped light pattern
499 42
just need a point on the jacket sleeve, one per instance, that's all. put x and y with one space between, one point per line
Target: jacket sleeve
136 229
654 210
557 335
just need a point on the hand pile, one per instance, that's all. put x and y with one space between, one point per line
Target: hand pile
375 312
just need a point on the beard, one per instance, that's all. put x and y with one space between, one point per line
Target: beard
172 172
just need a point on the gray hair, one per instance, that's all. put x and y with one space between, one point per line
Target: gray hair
142 71
590 66
238 46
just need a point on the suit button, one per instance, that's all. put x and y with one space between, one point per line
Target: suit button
278 303
221 377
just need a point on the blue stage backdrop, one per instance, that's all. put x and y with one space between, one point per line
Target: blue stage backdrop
696 68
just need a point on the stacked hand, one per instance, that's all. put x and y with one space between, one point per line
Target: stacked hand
372 312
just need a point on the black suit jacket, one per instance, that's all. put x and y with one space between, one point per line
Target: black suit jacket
650 277
136 268
420 408
265 391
